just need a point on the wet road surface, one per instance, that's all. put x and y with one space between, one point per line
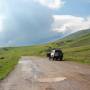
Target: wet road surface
35 73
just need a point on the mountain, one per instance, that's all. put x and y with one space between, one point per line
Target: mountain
78 34
76 47
76 39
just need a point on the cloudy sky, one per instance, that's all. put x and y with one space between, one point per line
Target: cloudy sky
27 22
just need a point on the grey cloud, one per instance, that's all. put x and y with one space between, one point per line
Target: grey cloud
26 22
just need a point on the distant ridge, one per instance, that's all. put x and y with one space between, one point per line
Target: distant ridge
76 39
78 34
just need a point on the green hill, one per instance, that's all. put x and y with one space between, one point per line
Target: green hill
76 46
79 38
78 34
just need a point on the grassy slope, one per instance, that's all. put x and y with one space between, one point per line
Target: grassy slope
76 47
8 60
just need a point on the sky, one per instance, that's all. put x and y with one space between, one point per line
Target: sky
29 22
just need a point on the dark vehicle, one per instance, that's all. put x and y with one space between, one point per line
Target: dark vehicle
55 54
49 55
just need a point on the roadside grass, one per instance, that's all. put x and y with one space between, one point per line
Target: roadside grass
78 54
8 60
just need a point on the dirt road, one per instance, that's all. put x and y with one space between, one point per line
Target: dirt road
34 73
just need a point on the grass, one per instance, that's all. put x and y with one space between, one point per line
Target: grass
78 54
8 60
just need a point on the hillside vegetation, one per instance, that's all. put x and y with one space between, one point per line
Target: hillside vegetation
76 47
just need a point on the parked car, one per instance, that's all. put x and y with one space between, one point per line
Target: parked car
55 54
49 55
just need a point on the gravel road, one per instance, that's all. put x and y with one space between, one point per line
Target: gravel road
35 73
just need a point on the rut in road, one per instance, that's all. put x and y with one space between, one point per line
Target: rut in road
35 73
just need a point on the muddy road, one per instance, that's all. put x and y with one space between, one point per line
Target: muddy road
34 73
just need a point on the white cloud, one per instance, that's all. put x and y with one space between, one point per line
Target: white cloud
69 23
53 4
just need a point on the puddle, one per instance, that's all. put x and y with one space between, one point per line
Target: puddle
28 67
24 61
50 80
25 66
